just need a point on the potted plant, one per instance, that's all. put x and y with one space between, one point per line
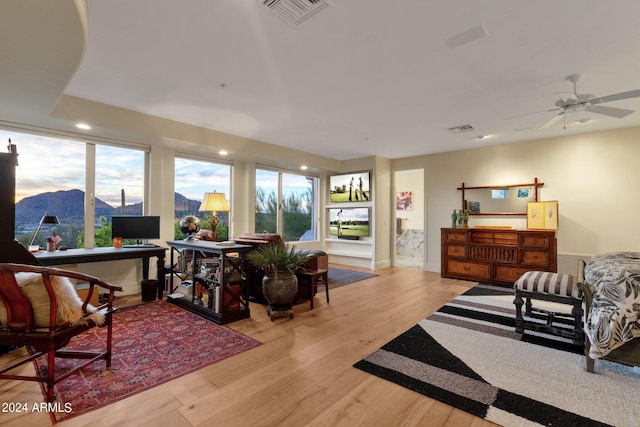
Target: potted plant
279 284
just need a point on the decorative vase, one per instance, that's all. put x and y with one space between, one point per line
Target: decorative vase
465 218
280 289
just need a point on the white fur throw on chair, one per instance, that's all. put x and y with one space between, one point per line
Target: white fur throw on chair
69 303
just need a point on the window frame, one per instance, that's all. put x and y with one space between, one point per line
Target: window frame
211 160
89 142
315 200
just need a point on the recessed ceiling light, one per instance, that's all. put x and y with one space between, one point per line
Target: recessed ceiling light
480 137
583 121
83 126
223 152
304 167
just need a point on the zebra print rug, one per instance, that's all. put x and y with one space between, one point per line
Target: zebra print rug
468 355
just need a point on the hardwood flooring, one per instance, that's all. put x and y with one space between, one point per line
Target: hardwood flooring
302 374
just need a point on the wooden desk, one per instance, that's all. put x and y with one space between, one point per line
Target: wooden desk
80 256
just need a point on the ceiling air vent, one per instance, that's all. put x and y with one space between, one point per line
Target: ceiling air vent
460 129
295 11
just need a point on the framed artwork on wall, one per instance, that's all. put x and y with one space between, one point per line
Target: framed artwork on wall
404 201
350 187
349 222
542 215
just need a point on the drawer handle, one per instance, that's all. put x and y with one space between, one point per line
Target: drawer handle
535 257
467 268
534 241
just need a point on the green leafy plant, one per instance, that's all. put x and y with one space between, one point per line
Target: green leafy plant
278 258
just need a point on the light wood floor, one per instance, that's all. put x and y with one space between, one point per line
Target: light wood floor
302 374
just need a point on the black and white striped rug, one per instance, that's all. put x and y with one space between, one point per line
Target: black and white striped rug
468 355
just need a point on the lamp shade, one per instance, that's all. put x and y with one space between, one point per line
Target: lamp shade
49 219
214 202
46 219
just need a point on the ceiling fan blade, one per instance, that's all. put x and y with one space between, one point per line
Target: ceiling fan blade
616 97
609 111
552 121
529 114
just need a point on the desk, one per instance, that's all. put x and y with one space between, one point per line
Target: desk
80 256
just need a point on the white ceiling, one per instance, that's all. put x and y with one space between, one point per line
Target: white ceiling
364 77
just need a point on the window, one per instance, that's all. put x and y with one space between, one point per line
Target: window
286 205
119 187
194 178
52 177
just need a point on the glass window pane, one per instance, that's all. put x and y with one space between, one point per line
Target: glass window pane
297 208
50 180
119 187
266 201
194 178
296 220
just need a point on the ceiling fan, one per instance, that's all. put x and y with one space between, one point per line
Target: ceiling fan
585 102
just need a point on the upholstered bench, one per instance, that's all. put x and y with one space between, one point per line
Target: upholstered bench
553 287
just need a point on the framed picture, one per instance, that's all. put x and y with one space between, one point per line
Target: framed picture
350 187
404 201
349 222
542 215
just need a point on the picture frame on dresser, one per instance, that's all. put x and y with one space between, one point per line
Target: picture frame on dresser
353 187
542 215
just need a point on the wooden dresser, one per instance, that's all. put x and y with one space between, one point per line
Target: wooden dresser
496 256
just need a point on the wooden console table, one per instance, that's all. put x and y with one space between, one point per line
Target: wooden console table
496 256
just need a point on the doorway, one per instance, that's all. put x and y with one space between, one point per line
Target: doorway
409 214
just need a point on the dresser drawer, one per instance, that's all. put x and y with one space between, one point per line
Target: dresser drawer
477 271
493 237
455 237
509 274
535 257
458 251
539 241
493 253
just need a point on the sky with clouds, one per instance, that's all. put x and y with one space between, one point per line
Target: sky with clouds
49 164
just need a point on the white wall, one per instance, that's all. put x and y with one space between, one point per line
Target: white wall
593 176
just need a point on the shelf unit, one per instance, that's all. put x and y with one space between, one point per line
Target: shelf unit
215 276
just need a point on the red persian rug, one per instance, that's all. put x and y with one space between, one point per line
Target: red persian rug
152 344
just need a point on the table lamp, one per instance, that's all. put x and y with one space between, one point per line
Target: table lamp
214 202
46 219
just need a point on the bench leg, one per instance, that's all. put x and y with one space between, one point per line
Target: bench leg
519 302
578 314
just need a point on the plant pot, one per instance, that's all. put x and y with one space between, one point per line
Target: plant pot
280 289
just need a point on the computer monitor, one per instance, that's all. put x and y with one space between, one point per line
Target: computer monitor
135 227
